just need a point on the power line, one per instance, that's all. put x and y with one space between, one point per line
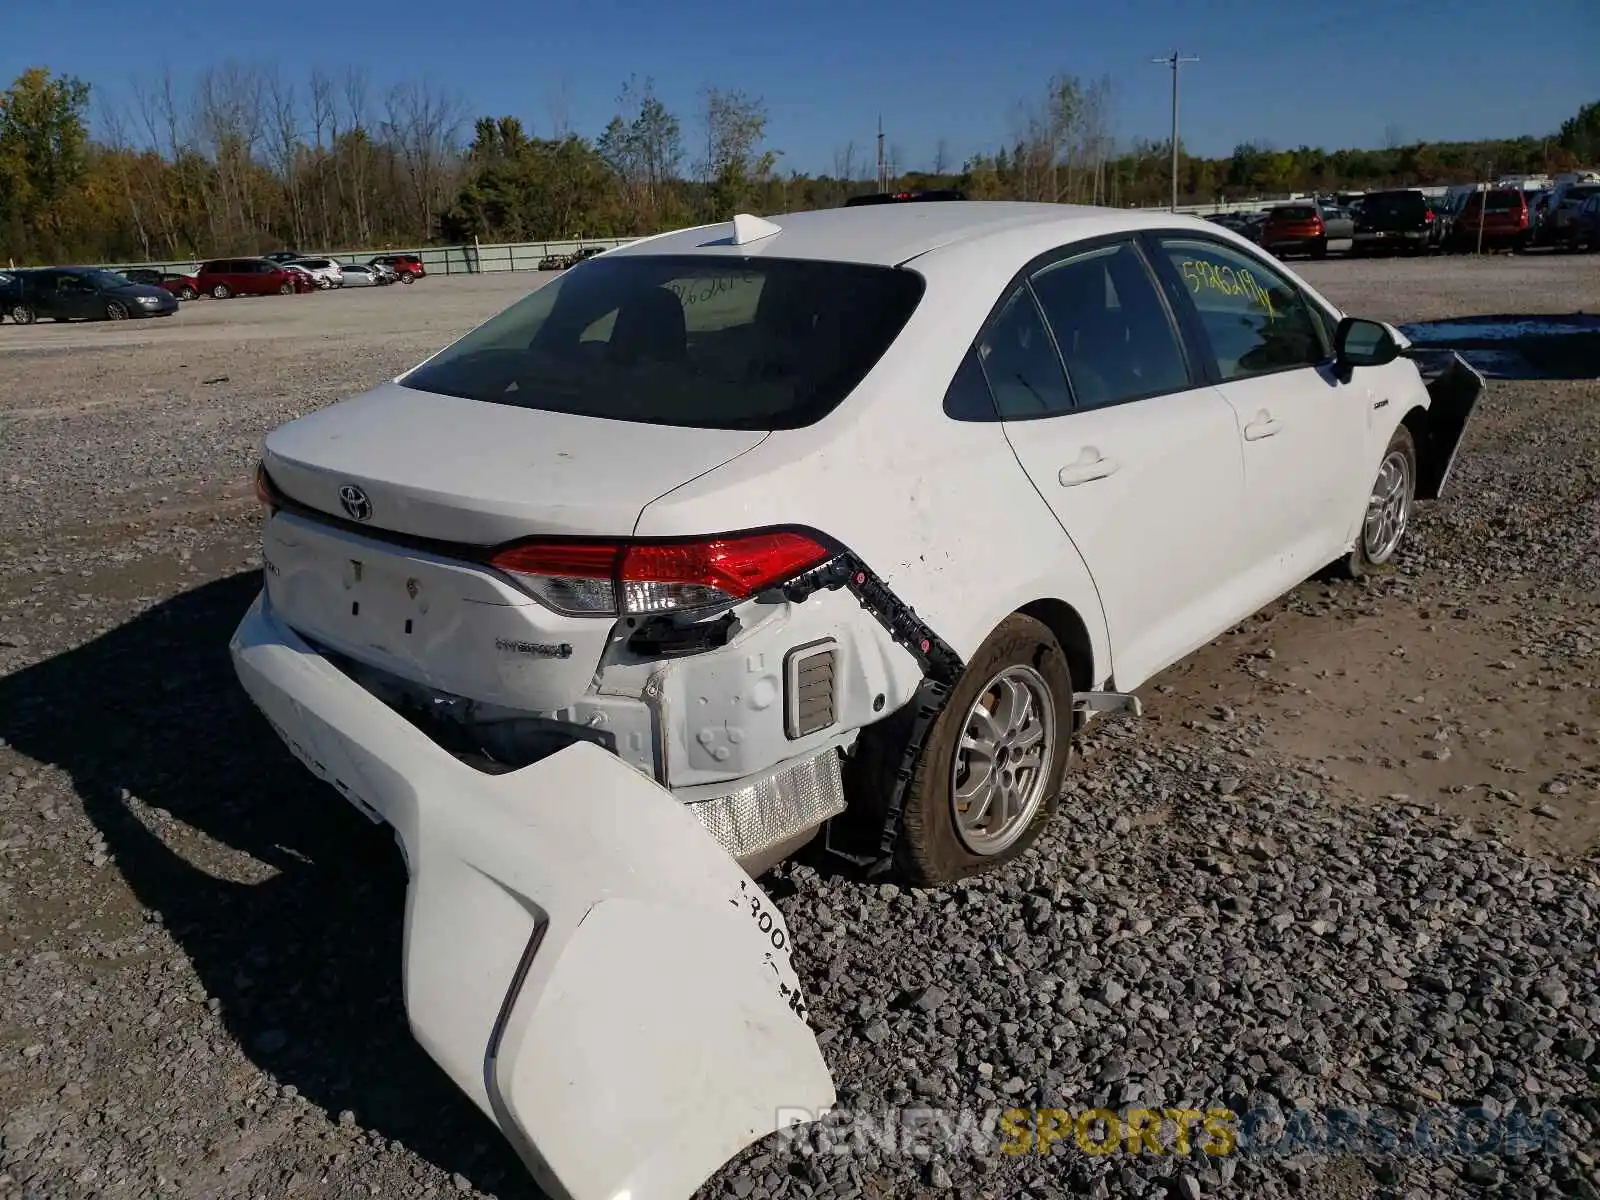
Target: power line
1175 61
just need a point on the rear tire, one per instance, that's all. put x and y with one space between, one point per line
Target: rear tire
23 315
1017 688
221 291
1388 513
408 278
286 289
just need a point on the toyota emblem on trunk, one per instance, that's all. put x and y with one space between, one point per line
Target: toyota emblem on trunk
354 502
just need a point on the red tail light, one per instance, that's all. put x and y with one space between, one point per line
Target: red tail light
616 578
1428 216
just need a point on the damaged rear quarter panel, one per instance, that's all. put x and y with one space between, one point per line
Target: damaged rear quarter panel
939 509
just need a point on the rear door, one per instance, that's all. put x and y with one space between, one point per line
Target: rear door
1137 457
1303 433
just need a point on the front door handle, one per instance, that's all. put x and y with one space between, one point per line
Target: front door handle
1089 467
1264 426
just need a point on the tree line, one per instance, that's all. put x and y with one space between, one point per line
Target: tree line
248 161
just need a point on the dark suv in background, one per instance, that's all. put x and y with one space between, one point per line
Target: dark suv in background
1395 220
82 294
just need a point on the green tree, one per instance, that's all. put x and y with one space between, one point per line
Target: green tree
1580 134
43 155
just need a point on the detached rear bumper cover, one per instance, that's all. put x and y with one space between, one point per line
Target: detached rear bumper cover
581 957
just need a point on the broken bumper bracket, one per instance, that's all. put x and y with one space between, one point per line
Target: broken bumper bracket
941 666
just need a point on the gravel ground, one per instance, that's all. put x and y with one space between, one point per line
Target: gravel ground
1349 859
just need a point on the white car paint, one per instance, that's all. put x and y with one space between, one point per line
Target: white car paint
590 974
326 271
1158 522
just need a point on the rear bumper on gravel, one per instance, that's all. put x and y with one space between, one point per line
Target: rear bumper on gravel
582 957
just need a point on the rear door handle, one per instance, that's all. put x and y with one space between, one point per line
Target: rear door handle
1089 467
1264 426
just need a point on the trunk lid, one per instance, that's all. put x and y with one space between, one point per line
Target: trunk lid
456 470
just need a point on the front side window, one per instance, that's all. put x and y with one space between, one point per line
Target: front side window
1021 363
698 340
1255 321
1111 326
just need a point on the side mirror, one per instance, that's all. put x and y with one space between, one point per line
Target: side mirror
1360 343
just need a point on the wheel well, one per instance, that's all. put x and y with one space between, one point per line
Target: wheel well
1417 422
1063 621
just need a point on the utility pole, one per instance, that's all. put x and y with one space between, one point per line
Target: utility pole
883 179
1174 60
1483 208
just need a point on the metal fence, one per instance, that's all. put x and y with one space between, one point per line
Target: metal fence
475 259
470 259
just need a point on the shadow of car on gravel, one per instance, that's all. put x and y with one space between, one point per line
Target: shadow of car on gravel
1508 346
306 965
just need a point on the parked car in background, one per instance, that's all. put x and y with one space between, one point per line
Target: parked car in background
85 294
301 278
284 256
225 277
1339 225
328 272
1394 220
1295 229
407 266
1561 225
563 262
1586 234
1496 219
389 274
184 287
361 275
10 291
1538 217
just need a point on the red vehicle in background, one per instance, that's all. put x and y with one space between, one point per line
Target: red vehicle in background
1295 229
408 267
184 287
1501 215
224 277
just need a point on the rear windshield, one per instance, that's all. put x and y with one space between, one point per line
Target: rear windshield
1507 200
1294 212
711 342
1402 203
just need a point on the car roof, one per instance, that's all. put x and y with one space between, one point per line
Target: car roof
891 234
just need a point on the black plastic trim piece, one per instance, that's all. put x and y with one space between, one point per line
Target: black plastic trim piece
941 667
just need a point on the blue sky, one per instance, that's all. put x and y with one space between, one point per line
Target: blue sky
1334 74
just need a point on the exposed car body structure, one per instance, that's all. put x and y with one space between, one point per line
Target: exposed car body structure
845 517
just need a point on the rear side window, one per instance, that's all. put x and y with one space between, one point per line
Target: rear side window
1021 363
1111 327
699 340
1400 204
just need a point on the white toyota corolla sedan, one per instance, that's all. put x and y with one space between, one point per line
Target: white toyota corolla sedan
842 520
